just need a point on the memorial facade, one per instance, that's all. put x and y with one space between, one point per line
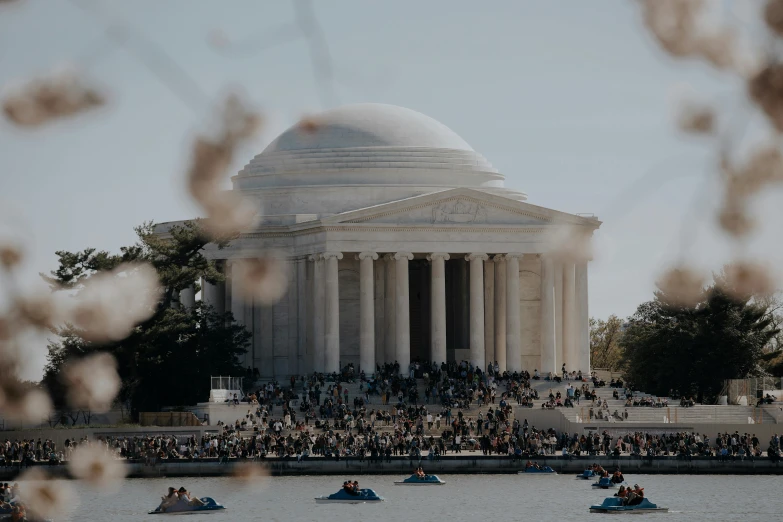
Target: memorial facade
403 244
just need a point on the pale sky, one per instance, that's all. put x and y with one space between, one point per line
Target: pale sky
569 99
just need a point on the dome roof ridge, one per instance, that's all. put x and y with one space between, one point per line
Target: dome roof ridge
368 125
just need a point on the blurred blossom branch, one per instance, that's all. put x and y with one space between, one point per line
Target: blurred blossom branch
305 26
320 56
686 29
284 33
154 57
118 317
228 213
42 100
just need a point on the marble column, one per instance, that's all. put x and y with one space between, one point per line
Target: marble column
366 312
214 295
547 316
582 316
332 309
438 306
187 297
318 312
402 311
513 326
477 355
463 324
558 267
500 311
489 312
570 354
238 306
389 305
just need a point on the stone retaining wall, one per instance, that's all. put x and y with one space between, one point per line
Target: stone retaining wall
446 465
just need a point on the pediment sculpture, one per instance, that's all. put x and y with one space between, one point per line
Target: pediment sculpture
459 211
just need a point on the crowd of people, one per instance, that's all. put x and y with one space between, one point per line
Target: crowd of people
462 408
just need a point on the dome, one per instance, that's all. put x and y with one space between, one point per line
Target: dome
358 144
362 155
369 125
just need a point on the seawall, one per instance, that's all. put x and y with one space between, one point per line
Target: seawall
446 465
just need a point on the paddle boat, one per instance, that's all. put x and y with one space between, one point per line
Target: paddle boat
586 474
7 513
615 505
541 469
606 483
415 480
343 497
181 508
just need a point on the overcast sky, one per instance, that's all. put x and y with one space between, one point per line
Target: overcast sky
569 99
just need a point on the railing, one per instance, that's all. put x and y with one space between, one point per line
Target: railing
612 374
225 383
751 388
169 418
674 414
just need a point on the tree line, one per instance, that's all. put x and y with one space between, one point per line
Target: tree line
667 348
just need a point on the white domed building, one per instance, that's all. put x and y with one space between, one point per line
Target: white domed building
404 244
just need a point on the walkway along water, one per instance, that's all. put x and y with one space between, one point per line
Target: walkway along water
446 465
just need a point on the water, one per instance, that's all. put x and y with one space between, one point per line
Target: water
467 498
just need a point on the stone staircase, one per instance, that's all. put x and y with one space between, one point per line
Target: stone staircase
434 407
674 413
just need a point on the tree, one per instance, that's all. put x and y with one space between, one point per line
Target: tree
167 359
605 350
694 350
772 361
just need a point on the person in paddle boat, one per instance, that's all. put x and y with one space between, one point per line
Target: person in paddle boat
184 496
617 477
634 496
621 492
420 473
169 500
352 488
19 514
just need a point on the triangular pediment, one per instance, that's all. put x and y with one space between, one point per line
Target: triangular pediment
457 207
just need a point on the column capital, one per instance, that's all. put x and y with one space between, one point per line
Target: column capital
498 258
434 255
388 257
314 257
329 255
476 256
403 255
513 255
365 255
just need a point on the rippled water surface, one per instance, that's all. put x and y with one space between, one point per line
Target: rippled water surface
468 498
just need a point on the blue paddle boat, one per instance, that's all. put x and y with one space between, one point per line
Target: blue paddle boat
343 497
7 514
606 483
414 480
586 474
540 469
615 505
181 508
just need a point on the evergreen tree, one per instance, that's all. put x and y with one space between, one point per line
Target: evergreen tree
692 351
168 358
